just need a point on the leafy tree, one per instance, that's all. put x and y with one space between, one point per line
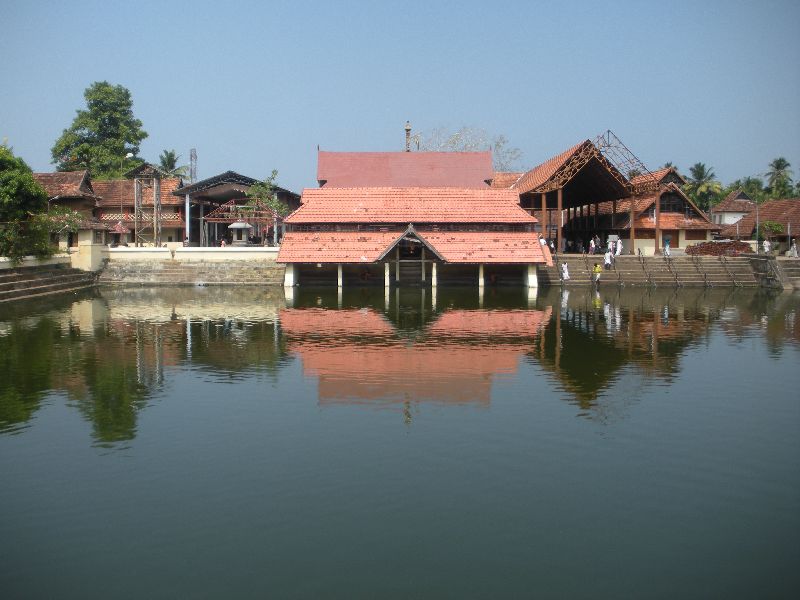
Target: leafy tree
266 193
769 229
20 198
779 178
168 162
702 187
470 139
105 137
669 165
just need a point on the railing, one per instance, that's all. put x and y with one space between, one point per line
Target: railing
723 259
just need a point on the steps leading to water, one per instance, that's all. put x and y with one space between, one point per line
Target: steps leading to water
32 282
790 267
657 271
172 272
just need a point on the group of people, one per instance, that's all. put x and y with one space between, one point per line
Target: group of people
595 246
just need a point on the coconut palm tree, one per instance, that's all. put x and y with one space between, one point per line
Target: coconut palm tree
168 162
703 186
779 178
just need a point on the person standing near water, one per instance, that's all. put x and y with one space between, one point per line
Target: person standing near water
666 248
793 249
564 271
618 249
596 270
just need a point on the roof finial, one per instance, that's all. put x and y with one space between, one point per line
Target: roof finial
408 136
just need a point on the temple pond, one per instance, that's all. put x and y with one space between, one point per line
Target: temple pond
219 442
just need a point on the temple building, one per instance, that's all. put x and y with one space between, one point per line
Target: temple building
422 218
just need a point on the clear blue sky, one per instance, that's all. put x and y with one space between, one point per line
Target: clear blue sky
258 85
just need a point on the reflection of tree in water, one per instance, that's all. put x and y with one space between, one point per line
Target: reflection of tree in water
26 358
766 314
594 337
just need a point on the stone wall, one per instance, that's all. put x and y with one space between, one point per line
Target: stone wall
173 272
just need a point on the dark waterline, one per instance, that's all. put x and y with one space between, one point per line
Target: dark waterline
216 442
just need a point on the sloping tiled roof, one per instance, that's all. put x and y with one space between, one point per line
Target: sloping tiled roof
404 169
786 212
737 201
454 247
116 192
409 205
505 179
643 221
657 176
540 174
66 184
473 247
334 246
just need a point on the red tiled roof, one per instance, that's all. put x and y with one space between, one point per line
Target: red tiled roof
409 205
657 176
505 179
473 247
404 169
116 192
334 246
540 174
786 212
737 201
643 221
454 247
66 184
334 324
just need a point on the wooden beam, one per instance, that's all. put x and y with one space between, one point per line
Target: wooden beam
544 215
560 222
658 223
633 226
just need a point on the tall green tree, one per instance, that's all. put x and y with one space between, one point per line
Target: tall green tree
21 197
103 138
779 178
266 193
702 186
168 162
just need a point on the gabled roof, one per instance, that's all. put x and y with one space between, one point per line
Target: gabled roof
409 205
334 246
120 192
786 212
642 204
540 174
579 171
737 201
66 184
660 176
228 177
404 169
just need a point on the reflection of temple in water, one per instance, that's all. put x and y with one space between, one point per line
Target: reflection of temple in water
358 355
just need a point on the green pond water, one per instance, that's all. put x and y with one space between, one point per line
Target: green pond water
213 443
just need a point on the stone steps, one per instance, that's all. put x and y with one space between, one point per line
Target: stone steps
655 271
38 282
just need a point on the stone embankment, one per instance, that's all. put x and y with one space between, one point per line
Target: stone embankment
173 272
657 271
22 283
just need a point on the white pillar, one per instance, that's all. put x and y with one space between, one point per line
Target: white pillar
386 275
480 277
433 296
288 294
434 279
531 277
288 276
339 275
187 216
